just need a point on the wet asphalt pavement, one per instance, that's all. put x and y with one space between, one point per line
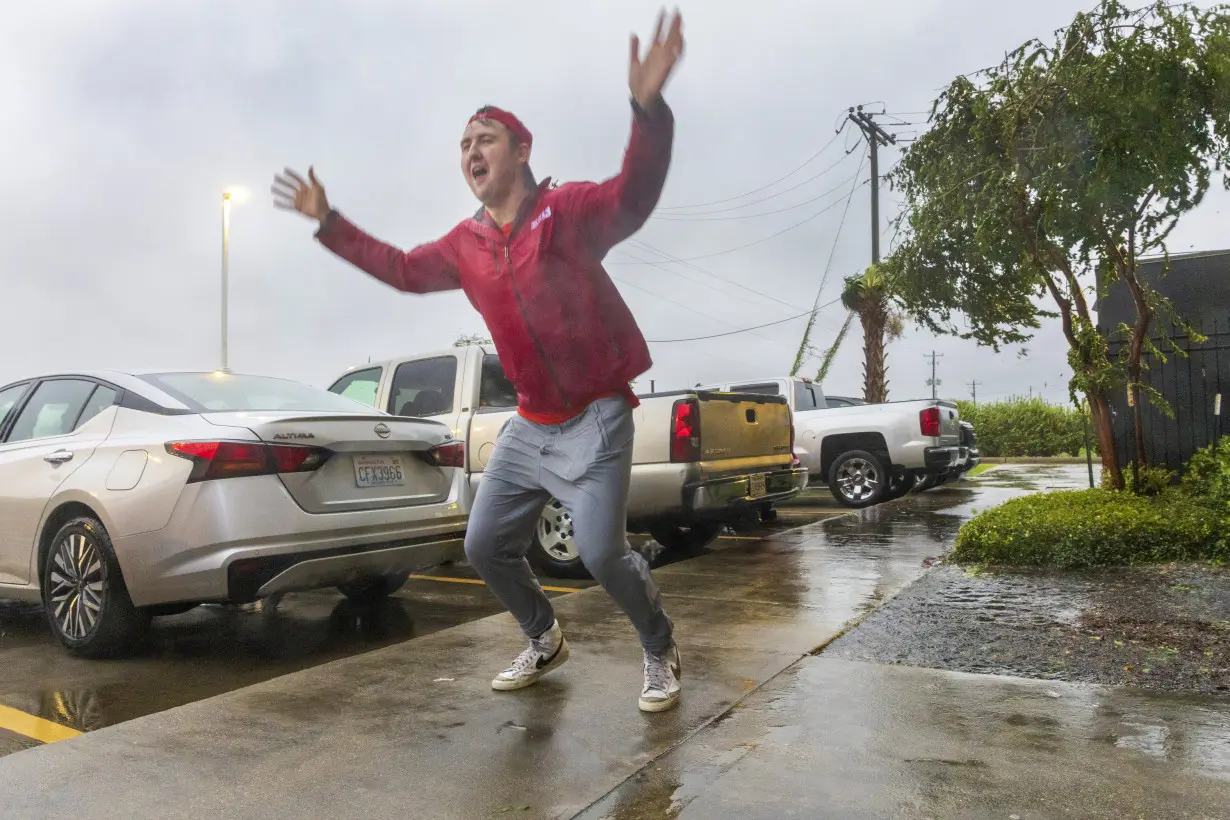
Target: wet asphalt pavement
215 649
770 724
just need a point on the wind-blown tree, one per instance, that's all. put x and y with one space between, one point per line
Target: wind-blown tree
826 362
870 297
1058 169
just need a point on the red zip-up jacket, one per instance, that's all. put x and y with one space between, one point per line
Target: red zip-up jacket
563 332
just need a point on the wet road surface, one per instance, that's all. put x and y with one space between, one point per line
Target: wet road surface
217 649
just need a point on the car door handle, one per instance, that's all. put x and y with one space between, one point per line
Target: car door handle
58 457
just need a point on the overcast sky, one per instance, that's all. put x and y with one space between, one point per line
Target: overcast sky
125 120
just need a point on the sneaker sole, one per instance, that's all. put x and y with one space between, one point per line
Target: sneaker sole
658 705
501 685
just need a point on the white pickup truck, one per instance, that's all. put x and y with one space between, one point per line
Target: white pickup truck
868 453
699 459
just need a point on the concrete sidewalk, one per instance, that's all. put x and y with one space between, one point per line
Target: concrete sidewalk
414 730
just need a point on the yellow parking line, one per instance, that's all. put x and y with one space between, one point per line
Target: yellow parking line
37 728
480 583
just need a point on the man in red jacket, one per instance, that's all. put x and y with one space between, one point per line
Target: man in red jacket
530 261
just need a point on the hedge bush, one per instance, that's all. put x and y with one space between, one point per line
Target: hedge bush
1207 476
1073 529
1026 427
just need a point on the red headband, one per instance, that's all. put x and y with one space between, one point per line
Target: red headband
508 120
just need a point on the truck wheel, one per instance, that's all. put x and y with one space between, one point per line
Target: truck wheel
554 549
858 479
925 483
370 590
900 487
676 537
84 594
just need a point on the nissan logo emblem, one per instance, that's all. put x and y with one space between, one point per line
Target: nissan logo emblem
383 430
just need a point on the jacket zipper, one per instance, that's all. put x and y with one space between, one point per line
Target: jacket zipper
529 327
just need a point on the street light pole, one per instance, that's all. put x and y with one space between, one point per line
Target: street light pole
226 252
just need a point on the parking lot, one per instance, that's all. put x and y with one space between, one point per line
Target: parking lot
47 695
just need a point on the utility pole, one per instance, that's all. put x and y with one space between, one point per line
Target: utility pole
933 381
875 136
973 386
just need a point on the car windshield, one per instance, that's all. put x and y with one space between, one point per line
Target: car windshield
216 392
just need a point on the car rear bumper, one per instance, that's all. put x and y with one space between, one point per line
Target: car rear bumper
941 460
254 525
712 498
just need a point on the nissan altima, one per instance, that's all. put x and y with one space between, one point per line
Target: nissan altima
125 496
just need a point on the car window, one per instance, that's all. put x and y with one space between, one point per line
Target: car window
767 388
204 392
832 402
361 385
102 398
424 387
52 410
9 397
495 390
805 397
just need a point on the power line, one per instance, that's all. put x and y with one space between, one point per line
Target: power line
698 282
799 224
807 162
640 245
800 355
744 330
707 217
762 199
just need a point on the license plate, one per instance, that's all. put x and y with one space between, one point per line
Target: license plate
756 486
378 471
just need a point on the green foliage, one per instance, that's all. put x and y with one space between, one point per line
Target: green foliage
1093 528
1148 480
1207 476
1025 427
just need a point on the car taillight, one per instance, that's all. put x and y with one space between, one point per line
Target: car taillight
929 422
237 459
448 454
685 431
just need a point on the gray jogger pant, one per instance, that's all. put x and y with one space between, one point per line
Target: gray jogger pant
586 464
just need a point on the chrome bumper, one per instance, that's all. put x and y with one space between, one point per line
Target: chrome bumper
732 493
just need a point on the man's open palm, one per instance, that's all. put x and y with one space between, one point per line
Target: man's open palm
648 76
292 192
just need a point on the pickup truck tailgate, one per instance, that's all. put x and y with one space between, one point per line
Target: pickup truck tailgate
745 430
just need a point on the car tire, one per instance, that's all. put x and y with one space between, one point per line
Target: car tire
370 590
553 550
84 594
858 479
927 482
676 537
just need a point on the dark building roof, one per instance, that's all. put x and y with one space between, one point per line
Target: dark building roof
1197 284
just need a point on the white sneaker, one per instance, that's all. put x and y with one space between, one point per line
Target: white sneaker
546 652
662 676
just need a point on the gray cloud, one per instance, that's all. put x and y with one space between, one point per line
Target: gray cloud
124 125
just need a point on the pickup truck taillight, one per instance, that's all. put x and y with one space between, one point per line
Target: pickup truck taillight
929 422
685 431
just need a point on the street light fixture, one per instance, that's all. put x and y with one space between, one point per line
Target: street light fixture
229 195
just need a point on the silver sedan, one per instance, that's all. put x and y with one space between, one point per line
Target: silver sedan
126 496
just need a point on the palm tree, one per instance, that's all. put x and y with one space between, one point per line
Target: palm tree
870 296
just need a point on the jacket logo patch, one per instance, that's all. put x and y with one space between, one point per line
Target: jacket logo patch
542 217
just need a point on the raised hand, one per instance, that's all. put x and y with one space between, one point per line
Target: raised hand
292 192
648 76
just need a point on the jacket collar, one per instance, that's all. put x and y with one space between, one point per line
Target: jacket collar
483 225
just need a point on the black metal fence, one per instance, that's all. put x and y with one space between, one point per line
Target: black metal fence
1196 388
